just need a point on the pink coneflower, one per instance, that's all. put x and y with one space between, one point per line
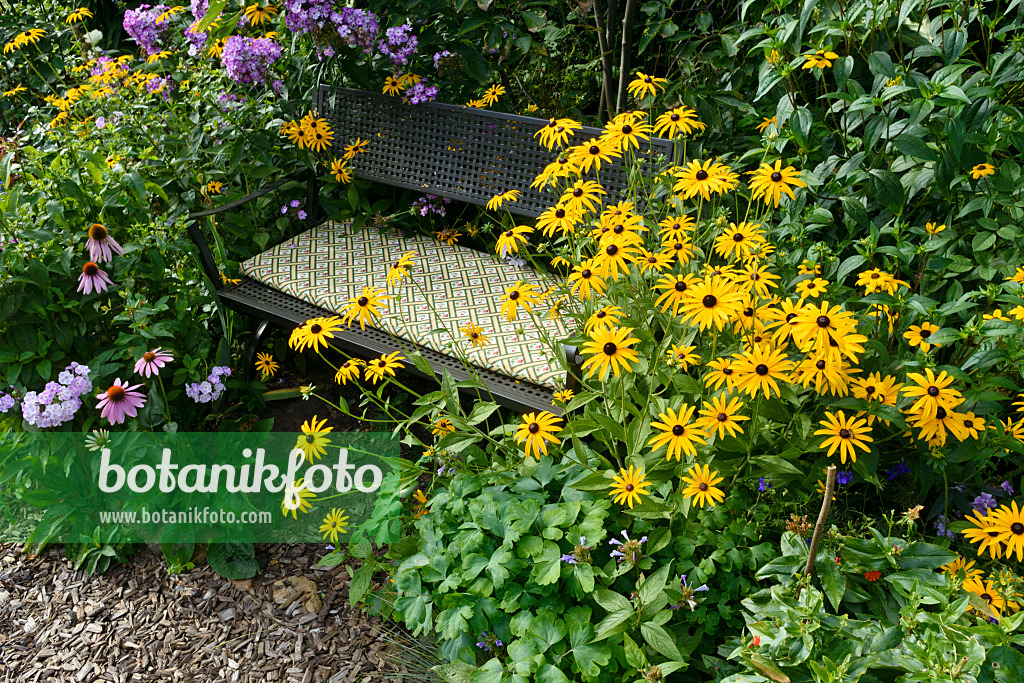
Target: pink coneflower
152 361
93 279
101 245
120 401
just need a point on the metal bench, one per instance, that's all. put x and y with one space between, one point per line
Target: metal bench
457 152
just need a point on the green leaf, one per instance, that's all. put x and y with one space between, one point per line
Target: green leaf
853 262
360 584
915 147
549 673
833 582
590 657
657 637
654 585
768 668
886 187
612 601
585 575
925 556
212 13
232 560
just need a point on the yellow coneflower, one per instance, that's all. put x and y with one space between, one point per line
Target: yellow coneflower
314 332
820 59
982 170
367 307
609 348
349 370
608 316
510 240
314 441
523 294
586 279
643 85
475 334
537 430
845 435
266 364
770 182
678 433
701 486
393 86
681 120
759 369
333 524
628 486
383 367
918 336
495 202
257 14
557 131
399 270
340 171
721 415
80 14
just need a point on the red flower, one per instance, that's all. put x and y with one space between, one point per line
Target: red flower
755 641
838 560
873 576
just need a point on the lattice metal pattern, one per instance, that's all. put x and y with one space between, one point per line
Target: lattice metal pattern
457 152
284 309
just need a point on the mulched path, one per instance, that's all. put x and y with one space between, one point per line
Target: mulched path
138 623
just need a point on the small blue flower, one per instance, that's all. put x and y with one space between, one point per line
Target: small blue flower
763 485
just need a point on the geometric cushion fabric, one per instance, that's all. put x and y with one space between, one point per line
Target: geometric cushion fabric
330 264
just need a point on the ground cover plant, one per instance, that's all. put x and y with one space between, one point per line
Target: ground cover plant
816 300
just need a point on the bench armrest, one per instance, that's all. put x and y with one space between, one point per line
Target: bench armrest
195 231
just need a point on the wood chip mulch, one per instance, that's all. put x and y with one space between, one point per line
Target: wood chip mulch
138 623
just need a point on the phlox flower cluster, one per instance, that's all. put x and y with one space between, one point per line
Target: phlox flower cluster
7 402
295 206
421 92
302 16
399 44
429 204
248 60
357 27
59 401
211 389
438 56
197 38
141 24
160 85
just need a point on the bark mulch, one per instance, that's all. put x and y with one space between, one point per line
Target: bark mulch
138 623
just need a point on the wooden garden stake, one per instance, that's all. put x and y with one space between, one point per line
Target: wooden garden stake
826 505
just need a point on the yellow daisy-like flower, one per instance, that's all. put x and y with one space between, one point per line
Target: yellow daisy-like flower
722 372
624 135
314 332
169 12
702 178
700 485
676 228
257 14
475 334
266 364
357 147
679 434
681 120
80 14
917 336
962 566
821 59
1009 519
760 369
510 240
523 294
616 255
997 314
609 348
442 427
657 262
214 187
932 392
712 302
557 131
736 241
682 357
295 132
537 430
314 442
367 307
349 370
845 435
562 397
393 86
987 591
296 499
585 279
722 415
643 85
628 486
497 200
770 182
419 508
334 523
318 134
763 126
24 38
217 47
608 316
811 289
340 171
582 196
982 170
13 92
492 94
1017 312
400 269
157 56
985 532
558 218
933 229
383 367
590 154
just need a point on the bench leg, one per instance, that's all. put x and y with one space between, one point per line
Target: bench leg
254 347
572 378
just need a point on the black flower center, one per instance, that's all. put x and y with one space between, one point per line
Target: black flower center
585 273
701 175
820 365
382 363
738 237
97 232
722 417
748 311
600 314
474 335
776 177
1017 528
619 229
363 301
844 433
559 213
310 438
513 295
680 286
595 150
629 487
709 301
761 369
611 250
940 413
986 596
933 391
790 316
702 486
627 129
823 321
577 192
678 430
316 329
510 233
726 371
869 390
648 80
925 334
610 348
673 117
534 427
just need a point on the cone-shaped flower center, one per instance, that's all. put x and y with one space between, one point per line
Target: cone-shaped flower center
148 356
933 391
722 417
97 232
363 301
534 427
90 268
610 348
678 430
823 321
703 486
776 177
761 369
115 394
844 433
709 301
701 175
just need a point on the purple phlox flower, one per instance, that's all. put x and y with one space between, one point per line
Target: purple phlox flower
983 502
897 471
57 403
152 361
248 60
101 122
93 279
1007 488
844 477
514 261
940 527
211 389
302 215
398 44
295 203
422 92
120 401
284 209
101 245
7 402
142 25
438 56
763 485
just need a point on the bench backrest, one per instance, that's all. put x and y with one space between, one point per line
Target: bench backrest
452 151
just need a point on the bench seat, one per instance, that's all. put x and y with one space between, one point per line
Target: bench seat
328 265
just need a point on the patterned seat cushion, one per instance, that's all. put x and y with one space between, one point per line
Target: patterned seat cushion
329 265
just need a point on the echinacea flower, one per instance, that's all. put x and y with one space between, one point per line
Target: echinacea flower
93 279
101 245
120 401
152 361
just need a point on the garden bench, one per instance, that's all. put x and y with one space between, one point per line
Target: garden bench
461 153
